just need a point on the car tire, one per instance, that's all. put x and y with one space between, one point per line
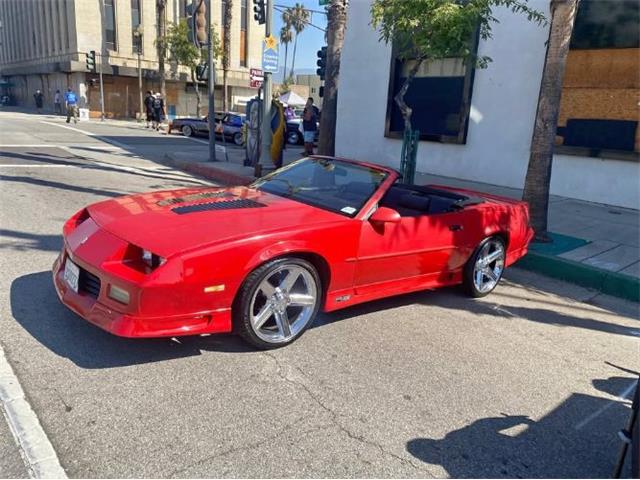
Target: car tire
237 139
484 269
186 130
270 311
294 138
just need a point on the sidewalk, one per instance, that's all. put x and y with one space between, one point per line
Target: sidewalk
596 246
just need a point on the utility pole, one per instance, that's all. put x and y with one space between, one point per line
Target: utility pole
100 63
140 86
211 83
265 150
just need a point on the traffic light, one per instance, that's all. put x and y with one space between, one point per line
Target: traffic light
197 22
91 61
322 62
260 14
321 91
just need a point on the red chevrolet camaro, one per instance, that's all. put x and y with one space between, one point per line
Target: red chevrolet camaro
319 234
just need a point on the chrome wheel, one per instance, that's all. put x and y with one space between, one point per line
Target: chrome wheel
489 265
187 131
283 304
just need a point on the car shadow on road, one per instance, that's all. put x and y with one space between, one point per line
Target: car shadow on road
36 307
578 438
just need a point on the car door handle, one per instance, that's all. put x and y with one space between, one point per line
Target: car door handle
455 228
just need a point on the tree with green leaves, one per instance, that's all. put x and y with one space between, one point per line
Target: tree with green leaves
286 36
427 30
185 53
299 18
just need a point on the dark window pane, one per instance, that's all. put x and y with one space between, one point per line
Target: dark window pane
110 24
243 15
607 24
136 20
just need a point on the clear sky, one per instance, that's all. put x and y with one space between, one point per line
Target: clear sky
309 41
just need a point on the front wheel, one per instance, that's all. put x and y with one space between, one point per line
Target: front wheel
237 139
294 138
484 269
277 302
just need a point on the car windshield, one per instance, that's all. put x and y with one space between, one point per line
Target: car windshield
333 185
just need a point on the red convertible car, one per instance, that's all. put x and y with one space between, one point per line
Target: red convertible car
319 234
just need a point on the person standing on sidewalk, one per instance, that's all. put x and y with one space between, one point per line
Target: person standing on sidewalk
39 98
71 101
158 111
148 106
309 126
57 103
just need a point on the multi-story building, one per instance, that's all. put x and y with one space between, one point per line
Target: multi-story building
43 45
314 83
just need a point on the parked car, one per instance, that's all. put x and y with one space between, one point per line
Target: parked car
295 134
228 124
320 234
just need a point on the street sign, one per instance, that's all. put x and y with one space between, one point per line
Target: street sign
256 78
270 54
323 2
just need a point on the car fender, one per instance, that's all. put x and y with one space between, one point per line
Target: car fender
278 250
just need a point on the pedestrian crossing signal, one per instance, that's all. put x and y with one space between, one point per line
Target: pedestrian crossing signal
91 61
202 72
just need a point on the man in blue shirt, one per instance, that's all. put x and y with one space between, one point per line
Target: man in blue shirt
72 105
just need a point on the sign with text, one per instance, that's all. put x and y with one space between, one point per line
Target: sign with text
270 54
256 78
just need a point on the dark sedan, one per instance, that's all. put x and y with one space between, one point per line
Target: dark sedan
227 124
294 132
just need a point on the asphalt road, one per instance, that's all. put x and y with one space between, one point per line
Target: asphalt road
527 382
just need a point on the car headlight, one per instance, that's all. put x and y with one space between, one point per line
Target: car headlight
151 259
75 221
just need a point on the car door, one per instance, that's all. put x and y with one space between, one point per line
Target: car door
421 250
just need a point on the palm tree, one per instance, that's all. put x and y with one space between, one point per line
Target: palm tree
226 45
285 38
536 186
299 19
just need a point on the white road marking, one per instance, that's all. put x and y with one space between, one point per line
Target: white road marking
35 165
37 452
622 396
15 145
90 134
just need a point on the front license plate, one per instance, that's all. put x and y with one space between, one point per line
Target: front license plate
71 275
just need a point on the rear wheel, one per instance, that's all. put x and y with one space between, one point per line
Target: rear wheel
187 131
277 302
484 269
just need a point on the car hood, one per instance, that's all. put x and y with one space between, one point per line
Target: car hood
174 221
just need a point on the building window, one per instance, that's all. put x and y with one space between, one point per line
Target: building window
313 90
599 110
243 33
110 24
440 96
136 23
183 8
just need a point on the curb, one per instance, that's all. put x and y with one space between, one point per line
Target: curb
604 281
209 171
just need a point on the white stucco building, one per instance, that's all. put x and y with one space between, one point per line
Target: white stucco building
488 138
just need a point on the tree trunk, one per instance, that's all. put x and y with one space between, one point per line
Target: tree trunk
336 25
284 71
161 4
293 59
227 50
196 87
405 109
538 179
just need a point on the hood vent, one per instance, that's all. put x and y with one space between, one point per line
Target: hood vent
193 198
221 205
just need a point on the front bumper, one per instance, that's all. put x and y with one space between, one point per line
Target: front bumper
130 325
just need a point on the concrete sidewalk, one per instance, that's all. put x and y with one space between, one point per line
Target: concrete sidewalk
595 245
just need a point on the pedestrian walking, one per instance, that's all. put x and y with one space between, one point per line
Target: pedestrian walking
148 106
71 101
39 98
158 111
309 125
57 103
